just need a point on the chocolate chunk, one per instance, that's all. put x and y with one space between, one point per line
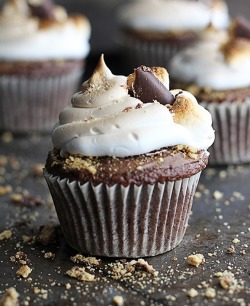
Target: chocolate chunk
241 27
148 88
42 9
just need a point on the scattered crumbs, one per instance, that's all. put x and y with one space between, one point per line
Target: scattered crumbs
10 298
171 298
235 240
231 249
80 274
192 293
5 189
6 234
210 293
229 282
24 271
218 195
118 300
68 286
47 235
195 260
20 258
49 255
92 261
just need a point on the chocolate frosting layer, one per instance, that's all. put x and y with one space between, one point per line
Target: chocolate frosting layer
148 88
172 163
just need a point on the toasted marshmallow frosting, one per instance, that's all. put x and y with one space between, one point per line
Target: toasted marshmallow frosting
25 37
171 15
217 66
104 120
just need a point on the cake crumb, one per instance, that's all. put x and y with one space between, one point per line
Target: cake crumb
6 234
235 240
192 293
10 298
49 255
231 249
196 260
80 274
228 281
210 293
118 300
24 271
92 261
218 195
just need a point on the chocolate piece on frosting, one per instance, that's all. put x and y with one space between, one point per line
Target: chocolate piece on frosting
148 88
241 27
43 9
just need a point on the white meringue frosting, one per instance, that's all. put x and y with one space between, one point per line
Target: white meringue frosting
104 120
173 15
213 65
23 38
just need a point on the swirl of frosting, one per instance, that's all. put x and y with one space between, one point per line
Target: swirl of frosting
219 66
24 36
104 120
173 15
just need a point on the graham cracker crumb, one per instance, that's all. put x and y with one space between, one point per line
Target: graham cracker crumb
228 281
10 298
192 293
92 261
6 234
24 271
80 274
196 260
118 300
210 293
49 255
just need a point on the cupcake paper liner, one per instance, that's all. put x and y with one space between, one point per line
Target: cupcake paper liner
231 122
118 221
29 104
148 53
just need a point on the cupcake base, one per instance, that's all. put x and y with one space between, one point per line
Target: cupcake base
151 52
30 100
118 221
231 122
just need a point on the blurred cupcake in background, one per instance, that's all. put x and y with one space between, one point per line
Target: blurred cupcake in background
42 59
218 75
152 31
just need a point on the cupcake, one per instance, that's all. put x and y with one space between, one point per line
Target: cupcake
217 74
153 31
42 58
126 161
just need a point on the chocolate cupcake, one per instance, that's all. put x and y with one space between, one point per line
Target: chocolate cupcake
42 59
126 161
153 31
217 74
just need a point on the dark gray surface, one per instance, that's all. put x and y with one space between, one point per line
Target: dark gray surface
212 227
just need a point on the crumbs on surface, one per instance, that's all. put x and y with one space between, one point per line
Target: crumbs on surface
10 298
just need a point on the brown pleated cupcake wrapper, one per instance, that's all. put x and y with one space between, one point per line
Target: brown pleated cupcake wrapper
149 53
118 221
33 104
231 122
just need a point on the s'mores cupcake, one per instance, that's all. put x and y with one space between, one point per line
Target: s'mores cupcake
218 75
151 32
42 59
127 157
